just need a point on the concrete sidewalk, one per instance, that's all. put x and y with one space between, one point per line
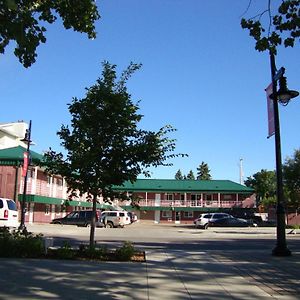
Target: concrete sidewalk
165 275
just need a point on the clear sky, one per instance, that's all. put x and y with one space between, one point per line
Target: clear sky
200 74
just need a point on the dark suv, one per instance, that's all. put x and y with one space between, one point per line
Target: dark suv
79 218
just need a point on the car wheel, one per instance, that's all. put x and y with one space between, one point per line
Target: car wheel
109 225
205 226
88 225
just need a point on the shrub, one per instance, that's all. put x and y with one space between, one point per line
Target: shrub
296 226
65 252
93 253
20 244
125 252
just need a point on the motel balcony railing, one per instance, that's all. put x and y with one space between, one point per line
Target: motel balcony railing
186 203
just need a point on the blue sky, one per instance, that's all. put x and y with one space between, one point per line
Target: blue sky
200 74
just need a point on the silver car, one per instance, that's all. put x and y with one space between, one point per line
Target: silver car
204 219
115 218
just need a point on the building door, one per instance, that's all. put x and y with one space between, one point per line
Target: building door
157 212
157 200
177 217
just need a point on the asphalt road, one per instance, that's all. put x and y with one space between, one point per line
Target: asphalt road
146 235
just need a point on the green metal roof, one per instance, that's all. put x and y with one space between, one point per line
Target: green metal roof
14 156
173 185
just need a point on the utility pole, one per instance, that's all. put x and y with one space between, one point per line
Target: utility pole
241 172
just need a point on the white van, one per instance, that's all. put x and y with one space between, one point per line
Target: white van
8 213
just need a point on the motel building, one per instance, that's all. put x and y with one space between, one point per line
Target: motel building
181 201
159 200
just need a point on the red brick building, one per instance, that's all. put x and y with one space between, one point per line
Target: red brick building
159 200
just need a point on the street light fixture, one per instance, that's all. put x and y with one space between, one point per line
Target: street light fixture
26 140
283 96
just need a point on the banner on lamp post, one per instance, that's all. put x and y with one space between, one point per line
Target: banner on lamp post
25 163
270 108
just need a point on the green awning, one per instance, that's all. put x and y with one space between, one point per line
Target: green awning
14 156
60 201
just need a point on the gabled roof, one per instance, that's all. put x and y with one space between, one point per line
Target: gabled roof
173 185
15 155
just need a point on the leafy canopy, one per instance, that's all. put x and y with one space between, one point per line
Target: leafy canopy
281 27
23 21
264 184
291 177
104 145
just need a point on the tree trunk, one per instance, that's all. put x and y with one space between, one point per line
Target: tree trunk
93 224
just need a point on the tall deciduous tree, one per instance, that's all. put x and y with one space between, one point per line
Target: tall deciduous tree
291 176
264 184
178 175
203 172
280 27
104 145
23 21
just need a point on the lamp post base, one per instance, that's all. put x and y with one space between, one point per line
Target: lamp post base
280 250
22 228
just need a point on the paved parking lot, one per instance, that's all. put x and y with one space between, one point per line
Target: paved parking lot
182 263
148 234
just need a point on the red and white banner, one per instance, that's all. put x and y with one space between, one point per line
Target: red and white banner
25 163
270 107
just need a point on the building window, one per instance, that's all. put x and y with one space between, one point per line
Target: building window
208 197
49 180
47 209
227 197
182 199
188 214
59 182
30 173
167 214
57 209
195 196
170 197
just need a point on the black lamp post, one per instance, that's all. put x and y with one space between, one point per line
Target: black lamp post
26 140
283 95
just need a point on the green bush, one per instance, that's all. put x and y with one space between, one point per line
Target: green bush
296 226
26 245
65 252
125 252
20 244
93 253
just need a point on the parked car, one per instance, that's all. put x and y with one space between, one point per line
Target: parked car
79 218
115 218
230 222
8 213
204 219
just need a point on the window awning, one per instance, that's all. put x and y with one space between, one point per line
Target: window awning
14 156
60 201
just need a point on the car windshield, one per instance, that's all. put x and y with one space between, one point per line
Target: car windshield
207 216
72 215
